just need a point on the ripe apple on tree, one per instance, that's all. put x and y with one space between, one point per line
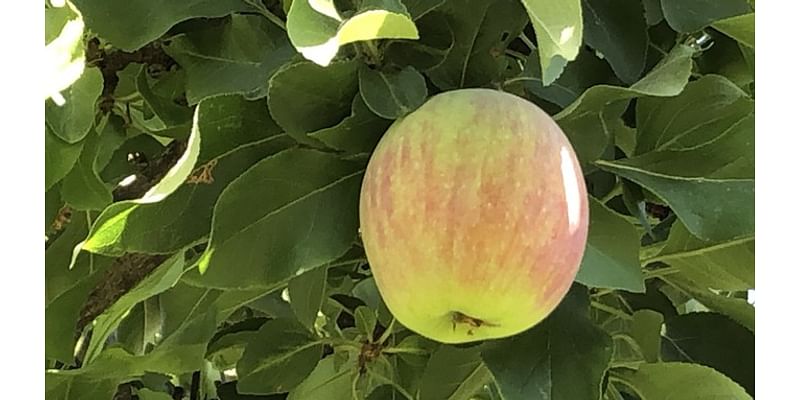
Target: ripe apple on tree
474 216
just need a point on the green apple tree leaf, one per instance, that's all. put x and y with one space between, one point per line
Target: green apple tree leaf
63 51
723 265
564 357
236 57
687 16
392 94
646 331
304 97
453 374
653 12
715 341
326 381
317 30
73 119
611 258
280 355
436 39
736 308
618 30
419 8
271 223
482 30
742 28
306 294
559 32
83 188
357 133
600 103
659 382
62 386
59 156
130 25
236 134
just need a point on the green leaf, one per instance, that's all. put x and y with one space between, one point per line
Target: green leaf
619 31
130 25
482 30
304 97
712 208
453 374
722 265
356 134
736 308
436 39
392 94
236 134
742 28
162 278
59 157
646 331
420 8
366 321
147 394
586 71
162 96
611 259
236 57
72 120
279 357
559 29
659 382
602 103
82 188
306 294
653 12
325 382
289 213
564 357
317 30
715 341
64 50
683 121
60 385
687 16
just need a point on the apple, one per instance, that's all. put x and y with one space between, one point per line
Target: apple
474 216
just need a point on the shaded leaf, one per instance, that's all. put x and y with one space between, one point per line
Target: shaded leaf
436 39
280 356
712 340
357 133
130 25
454 374
237 57
646 330
617 28
61 386
691 15
304 97
736 308
289 213
82 188
611 258
306 294
59 157
482 30
564 357
392 95
326 382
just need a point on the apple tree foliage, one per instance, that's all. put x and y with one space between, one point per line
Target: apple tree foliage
203 165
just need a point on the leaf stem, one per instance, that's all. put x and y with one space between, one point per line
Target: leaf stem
528 42
405 350
266 13
387 332
611 310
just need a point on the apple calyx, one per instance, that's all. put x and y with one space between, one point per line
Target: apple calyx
472 322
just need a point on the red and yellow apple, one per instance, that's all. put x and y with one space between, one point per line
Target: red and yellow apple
473 216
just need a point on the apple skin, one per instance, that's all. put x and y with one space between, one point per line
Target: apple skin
474 216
